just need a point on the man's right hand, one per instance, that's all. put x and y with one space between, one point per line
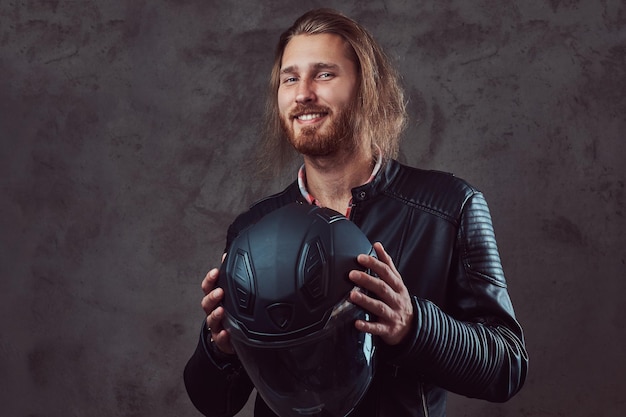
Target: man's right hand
215 313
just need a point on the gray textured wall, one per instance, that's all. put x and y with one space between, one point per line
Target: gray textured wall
126 127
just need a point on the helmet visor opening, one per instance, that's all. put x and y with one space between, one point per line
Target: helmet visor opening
325 373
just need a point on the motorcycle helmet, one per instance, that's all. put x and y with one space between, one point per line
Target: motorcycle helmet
287 310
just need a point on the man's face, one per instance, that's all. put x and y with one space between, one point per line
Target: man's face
318 82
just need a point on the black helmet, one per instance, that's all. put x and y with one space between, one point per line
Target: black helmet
287 310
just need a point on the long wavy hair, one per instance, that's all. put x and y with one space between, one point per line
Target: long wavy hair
380 108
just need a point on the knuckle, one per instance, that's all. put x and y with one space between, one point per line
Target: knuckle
382 309
382 288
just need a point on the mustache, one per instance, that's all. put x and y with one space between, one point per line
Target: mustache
301 109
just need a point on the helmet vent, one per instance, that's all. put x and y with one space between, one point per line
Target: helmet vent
244 282
281 314
312 271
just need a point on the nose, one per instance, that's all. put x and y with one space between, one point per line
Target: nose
305 92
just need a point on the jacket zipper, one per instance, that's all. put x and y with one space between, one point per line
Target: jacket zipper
230 380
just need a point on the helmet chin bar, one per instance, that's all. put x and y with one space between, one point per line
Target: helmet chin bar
323 374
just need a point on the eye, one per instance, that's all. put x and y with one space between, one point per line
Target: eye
325 75
289 80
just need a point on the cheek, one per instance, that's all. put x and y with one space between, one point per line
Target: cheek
342 95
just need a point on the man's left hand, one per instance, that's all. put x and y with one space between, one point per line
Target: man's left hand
390 301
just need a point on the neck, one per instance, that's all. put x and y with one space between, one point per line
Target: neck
331 179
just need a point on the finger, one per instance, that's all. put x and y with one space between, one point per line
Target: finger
377 266
222 341
383 267
384 257
219 335
214 320
375 328
210 280
211 300
376 307
371 284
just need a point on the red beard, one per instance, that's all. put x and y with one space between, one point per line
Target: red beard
310 142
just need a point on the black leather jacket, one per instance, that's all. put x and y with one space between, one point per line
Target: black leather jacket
465 338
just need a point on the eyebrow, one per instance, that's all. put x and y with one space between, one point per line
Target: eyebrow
319 66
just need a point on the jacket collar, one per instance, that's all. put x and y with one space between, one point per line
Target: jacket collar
380 166
379 183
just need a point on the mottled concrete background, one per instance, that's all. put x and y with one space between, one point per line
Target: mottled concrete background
126 128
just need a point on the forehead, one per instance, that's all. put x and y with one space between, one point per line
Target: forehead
307 50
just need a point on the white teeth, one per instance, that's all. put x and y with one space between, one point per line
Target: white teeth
306 117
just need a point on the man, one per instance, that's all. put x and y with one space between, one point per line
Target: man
444 317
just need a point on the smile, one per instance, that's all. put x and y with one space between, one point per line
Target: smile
310 116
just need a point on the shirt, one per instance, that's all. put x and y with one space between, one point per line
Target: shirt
312 200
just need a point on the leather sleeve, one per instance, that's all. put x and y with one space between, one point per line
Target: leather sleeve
217 386
476 347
